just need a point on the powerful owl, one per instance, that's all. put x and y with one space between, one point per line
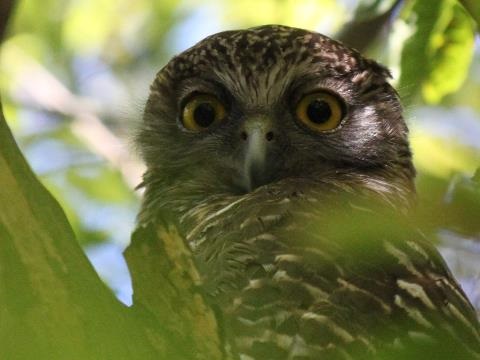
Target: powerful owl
285 159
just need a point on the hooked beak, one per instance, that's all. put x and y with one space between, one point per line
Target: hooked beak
258 138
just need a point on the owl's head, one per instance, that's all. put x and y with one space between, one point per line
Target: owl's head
243 109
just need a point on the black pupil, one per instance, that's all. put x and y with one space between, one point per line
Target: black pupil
319 111
204 114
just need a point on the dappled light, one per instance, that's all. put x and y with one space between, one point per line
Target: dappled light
74 80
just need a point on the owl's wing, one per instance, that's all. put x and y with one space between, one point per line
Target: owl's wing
336 281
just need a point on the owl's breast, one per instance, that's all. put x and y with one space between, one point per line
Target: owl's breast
311 273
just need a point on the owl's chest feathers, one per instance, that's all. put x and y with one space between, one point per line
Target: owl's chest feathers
326 263
236 239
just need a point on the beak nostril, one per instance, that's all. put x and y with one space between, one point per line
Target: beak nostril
244 135
269 136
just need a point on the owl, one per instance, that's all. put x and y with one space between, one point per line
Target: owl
284 156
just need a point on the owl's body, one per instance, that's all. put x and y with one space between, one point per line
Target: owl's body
285 157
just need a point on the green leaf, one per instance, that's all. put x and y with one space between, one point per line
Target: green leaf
452 204
476 177
473 8
102 183
300 13
442 157
436 57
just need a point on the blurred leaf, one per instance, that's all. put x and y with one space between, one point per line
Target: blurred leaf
118 30
100 183
306 14
61 132
449 204
16 57
463 206
476 177
453 56
44 19
436 57
89 237
102 17
473 7
442 157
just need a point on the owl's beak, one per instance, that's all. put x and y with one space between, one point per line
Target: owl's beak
257 137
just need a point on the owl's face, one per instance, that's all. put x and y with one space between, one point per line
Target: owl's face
242 109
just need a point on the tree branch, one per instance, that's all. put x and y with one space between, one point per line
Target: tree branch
6 8
54 305
361 33
166 288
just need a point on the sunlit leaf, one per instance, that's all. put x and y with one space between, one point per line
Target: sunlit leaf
306 14
463 202
452 204
442 157
44 19
436 57
454 51
16 58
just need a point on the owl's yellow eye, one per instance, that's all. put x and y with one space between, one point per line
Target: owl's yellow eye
201 112
320 111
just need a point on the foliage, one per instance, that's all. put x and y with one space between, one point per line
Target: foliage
441 43
74 76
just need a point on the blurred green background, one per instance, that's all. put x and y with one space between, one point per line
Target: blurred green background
74 75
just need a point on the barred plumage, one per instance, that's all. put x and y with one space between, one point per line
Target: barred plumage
301 233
